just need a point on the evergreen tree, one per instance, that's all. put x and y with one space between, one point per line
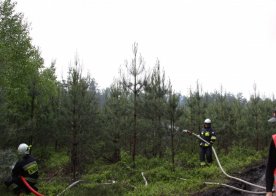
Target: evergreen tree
20 62
116 112
155 108
134 82
81 116
174 114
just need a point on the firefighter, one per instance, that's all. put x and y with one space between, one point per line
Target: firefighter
208 134
26 167
270 174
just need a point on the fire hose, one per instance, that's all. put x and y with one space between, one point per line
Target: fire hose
221 168
29 187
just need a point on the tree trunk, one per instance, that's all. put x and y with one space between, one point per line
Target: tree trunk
135 127
172 144
117 151
74 155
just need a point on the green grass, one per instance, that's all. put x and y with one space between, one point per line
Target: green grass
187 178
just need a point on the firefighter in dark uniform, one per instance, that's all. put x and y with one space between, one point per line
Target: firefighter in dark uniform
26 167
270 174
208 134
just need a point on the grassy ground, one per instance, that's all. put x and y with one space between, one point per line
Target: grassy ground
122 179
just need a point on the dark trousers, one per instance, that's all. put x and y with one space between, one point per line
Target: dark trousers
19 186
206 152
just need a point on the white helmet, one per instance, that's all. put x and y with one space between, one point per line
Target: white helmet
23 149
207 121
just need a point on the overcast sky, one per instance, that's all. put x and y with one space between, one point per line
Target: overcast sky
228 43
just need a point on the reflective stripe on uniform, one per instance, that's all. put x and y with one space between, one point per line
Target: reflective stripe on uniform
204 144
31 167
213 138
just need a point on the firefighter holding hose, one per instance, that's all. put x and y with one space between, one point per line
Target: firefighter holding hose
209 135
25 167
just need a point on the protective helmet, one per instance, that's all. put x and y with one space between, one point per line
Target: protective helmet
23 149
207 121
273 118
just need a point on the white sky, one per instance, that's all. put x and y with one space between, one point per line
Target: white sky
228 43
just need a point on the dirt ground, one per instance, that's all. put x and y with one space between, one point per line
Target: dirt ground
255 174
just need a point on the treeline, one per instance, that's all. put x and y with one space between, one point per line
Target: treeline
140 113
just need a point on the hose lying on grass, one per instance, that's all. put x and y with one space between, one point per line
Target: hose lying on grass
70 186
83 181
217 159
235 188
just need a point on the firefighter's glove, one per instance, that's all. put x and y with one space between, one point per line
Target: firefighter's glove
187 131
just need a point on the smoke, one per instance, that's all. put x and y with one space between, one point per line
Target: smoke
8 159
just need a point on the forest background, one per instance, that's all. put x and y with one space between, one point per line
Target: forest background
79 131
